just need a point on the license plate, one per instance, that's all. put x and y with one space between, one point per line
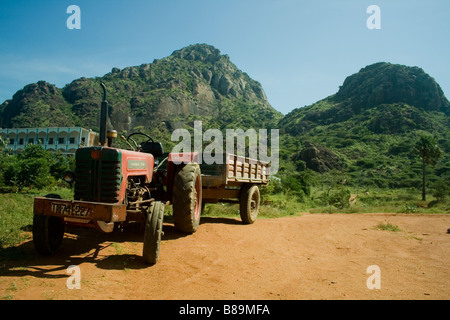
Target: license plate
106 212
69 209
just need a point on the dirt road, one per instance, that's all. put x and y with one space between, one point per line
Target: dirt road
312 256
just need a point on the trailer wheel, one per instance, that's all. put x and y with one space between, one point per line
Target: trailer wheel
153 232
249 200
187 198
48 231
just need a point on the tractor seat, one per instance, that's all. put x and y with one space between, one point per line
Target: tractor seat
155 148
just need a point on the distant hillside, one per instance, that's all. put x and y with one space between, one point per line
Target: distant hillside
196 82
370 125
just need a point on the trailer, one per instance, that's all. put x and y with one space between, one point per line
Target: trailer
236 179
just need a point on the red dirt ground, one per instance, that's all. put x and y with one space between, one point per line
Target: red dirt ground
310 256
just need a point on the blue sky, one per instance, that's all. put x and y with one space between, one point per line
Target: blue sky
300 51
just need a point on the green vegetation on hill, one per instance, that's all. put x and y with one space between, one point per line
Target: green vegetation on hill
371 126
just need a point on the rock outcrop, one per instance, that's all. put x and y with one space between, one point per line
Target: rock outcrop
319 158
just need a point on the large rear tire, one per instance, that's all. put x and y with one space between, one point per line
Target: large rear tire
48 231
187 198
249 201
153 232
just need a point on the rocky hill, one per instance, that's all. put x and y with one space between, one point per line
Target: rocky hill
37 104
196 82
396 93
386 83
368 128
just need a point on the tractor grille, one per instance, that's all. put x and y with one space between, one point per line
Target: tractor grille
98 180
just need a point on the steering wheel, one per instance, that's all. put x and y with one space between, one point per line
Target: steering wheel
138 133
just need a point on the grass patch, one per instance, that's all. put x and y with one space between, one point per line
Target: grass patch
16 214
118 248
16 217
387 226
378 200
272 206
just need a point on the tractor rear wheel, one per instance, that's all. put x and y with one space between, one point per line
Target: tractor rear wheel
187 198
249 201
48 231
153 232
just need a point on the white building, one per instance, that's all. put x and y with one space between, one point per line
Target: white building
64 139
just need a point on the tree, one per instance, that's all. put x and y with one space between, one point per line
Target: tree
33 172
30 168
430 153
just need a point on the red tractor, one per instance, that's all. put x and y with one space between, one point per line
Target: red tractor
115 186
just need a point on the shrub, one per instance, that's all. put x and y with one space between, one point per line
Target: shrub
339 198
33 172
441 189
409 208
34 168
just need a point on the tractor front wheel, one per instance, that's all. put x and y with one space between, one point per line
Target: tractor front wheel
153 232
48 231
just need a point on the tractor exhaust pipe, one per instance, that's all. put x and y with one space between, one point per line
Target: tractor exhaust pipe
103 117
